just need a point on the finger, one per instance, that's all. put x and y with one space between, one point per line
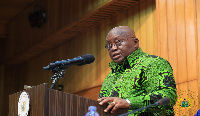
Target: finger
117 106
109 107
100 99
106 100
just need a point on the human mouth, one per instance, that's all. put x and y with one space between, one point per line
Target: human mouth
116 56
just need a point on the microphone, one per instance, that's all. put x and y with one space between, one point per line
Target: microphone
80 60
163 101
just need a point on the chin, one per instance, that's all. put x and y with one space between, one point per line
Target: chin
118 61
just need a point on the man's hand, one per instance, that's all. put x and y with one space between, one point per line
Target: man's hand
115 102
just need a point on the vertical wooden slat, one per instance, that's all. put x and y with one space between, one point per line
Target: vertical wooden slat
73 105
98 55
46 99
158 26
103 51
124 18
12 110
76 9
106 54
130 17
71 10
181 42
143 36
163 29
84 51
155 28
183 92
67 104
198 42
60 104
2 87
149 27
16 99
92 72
176 107
171 27
193 97
136 22
190 43
89 5
118 20
80 10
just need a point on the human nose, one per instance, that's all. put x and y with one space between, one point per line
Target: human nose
113 47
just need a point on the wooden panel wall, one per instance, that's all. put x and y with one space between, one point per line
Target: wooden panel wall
93 42
178 42
1 88
60 13
10 83
141 17
168 28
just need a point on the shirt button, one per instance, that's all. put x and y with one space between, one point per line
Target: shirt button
122 79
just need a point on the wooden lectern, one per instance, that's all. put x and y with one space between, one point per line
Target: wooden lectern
50 102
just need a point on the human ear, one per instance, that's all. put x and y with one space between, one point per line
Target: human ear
136 40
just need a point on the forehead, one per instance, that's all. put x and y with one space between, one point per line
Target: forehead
115 36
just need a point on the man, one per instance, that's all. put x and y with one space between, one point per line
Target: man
136 79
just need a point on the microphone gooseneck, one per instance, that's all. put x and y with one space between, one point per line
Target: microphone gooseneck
79 61
59 67
163 101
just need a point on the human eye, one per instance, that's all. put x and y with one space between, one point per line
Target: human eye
118 42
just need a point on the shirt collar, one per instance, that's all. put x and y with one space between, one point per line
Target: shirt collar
128 60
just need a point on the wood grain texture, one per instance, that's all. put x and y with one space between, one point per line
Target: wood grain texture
92 41
171 34
166 28
56 31
181 43
197 3
191 43
181 31
49 102
163 29
183 94
193 93
38 97
65 104
2 88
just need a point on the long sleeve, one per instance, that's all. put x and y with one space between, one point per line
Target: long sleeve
143 79
158 82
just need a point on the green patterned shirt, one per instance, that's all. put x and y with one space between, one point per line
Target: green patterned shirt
143 79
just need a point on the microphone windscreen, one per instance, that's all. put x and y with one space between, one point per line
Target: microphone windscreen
88 59
164 101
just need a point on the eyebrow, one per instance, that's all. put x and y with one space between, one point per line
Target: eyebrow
116 38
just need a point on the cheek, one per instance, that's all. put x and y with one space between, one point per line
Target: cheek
110 54
123 52
127 51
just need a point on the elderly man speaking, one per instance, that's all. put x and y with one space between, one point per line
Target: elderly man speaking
136 79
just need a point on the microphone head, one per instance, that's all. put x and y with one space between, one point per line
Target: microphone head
164 101
88 58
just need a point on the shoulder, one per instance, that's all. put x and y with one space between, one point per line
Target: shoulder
157 62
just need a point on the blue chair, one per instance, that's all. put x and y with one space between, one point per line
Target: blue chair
198 113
